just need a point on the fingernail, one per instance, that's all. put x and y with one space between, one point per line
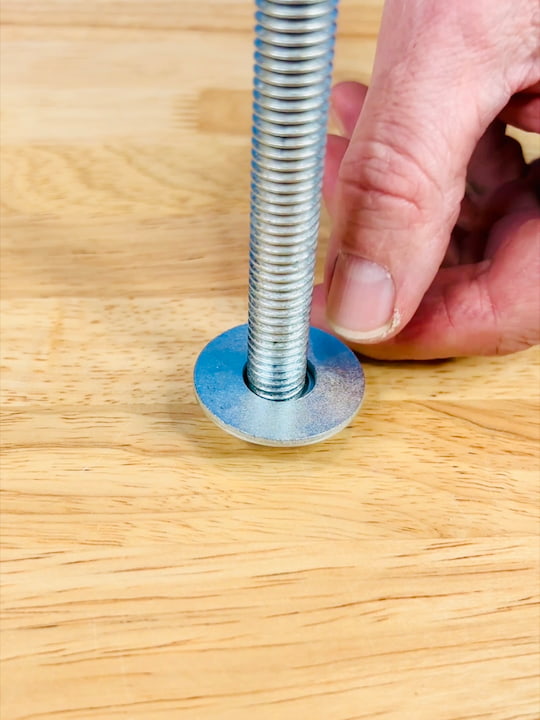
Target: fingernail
361 299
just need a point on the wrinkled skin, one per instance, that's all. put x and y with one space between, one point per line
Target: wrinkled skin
426 186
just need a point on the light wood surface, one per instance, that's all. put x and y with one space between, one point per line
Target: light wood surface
154 567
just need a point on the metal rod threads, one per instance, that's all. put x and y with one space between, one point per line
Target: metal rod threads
294 51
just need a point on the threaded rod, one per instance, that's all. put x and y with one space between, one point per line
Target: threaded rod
294 49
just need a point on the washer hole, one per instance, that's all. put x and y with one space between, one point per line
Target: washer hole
311 379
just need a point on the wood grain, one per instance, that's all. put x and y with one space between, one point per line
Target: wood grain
152 567
269 630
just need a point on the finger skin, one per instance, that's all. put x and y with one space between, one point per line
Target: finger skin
488 308
346 101
336 147
496 159
442 74
523 112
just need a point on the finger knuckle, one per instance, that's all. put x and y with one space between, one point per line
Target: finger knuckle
390 181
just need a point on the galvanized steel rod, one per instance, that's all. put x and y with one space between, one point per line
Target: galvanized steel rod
294 51
241 376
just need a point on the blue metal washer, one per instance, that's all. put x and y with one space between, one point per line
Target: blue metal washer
332 398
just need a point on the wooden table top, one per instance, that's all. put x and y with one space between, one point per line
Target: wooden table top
153 567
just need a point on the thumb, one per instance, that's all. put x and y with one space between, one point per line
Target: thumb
442 72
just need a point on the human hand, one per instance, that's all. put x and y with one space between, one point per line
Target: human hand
435 250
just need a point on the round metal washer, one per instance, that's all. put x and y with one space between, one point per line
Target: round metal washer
335 395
